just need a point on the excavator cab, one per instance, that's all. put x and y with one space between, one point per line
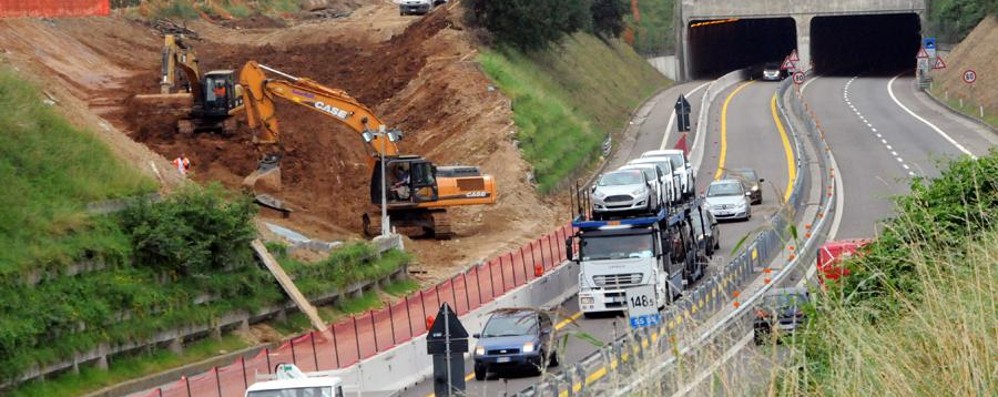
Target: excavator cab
220 94
410 180
218 99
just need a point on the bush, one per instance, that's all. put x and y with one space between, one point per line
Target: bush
532 25
945 212
193 232
176 9
608 17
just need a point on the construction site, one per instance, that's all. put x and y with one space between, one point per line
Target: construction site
418 74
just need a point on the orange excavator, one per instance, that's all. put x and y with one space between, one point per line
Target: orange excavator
416 192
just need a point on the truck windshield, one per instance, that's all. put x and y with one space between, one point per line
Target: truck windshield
323 391
618 247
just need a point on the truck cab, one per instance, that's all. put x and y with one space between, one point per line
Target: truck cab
615 255
289 381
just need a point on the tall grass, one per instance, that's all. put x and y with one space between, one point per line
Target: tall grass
568 98
50 170
946 344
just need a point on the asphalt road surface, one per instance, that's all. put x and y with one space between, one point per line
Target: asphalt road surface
752 140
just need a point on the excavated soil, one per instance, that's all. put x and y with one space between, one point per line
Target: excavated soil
418 74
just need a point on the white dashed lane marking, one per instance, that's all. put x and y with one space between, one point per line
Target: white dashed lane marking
894 153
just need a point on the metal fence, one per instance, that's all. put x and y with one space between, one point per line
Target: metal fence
362 336
645 360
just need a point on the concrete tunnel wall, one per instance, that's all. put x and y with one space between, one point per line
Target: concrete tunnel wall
802 12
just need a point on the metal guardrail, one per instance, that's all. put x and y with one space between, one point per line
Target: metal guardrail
602 372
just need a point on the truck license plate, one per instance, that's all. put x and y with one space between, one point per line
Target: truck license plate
502 360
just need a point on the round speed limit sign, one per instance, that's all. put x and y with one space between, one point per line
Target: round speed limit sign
799 78
969 76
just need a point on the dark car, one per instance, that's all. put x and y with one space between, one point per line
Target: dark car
773 72
781 308
515 338
751 180
706 230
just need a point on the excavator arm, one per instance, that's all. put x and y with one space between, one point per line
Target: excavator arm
259 95
178 55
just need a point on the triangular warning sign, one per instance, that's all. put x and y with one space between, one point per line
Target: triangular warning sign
939 64
438 331
921 53
793 56
787 64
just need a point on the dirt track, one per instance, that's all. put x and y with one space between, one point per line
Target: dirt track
418 73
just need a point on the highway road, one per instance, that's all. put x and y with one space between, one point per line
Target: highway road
853 111
879 145
752 140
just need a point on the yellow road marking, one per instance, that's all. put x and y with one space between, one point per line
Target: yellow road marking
724 130
791 171
561 324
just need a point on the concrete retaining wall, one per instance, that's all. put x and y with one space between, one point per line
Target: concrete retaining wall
406 365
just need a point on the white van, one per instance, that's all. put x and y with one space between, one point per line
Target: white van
291 382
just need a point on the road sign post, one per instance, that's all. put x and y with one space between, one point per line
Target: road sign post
642 307
683 110
447 341
799 78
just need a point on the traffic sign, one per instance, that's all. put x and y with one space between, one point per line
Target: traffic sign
682 105
969 76
642 307
788 64
799 78
923 64
939 64
922 53
793 56
929 43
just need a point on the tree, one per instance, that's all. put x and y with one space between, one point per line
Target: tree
608 17
530 24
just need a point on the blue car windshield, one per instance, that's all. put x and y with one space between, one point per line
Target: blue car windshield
504 325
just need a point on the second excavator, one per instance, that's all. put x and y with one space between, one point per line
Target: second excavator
417 193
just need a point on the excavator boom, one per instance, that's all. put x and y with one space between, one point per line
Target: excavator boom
420 192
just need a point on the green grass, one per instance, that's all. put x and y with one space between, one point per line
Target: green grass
947 340
91 379
51 170
402 287
654 34
568 98
970 109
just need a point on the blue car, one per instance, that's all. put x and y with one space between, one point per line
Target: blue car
515 339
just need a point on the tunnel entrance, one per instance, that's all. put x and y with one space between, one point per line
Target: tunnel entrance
720 46
865 44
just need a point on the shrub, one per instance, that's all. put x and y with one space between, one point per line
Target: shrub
193 232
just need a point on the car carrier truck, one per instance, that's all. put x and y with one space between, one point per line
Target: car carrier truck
617 254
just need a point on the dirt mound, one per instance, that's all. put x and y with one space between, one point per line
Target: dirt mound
417 73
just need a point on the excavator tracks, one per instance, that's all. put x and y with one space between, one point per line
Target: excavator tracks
441 225
418 223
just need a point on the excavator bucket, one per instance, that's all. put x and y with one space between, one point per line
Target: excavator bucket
266 178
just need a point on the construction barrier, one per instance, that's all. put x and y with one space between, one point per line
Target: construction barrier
362 336
53 8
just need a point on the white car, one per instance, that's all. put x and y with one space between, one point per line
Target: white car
680 165
727 199
669 178
420 7
655 176
623 193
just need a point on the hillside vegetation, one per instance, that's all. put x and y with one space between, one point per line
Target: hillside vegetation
977 51
952 20
916 316
568 98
